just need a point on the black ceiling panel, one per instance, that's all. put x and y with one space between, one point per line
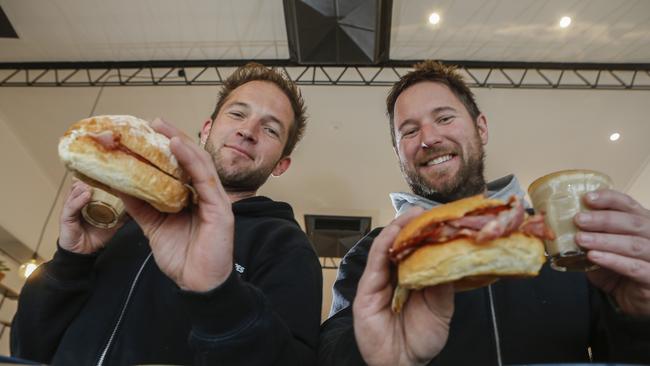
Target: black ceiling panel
6 29
338 32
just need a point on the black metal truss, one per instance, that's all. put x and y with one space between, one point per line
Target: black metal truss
477 74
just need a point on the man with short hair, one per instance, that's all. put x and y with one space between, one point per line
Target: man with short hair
438 134
230 281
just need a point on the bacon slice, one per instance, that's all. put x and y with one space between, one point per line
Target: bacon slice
472 222
482 226
107 139
111 141
505 223
535 226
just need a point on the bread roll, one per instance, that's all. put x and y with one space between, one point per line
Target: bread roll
124 154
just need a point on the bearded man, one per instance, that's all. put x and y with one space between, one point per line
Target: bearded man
438 133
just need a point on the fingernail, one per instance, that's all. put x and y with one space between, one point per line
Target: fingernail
592 196
583 218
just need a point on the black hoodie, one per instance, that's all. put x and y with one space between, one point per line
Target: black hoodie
553 318
118 307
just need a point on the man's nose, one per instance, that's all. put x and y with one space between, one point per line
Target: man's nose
248 129
430 136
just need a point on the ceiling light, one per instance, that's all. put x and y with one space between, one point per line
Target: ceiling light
615 136
434 18
27 268
565 22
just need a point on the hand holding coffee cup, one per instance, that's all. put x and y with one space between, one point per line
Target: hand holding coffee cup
75 234
615 233
559 196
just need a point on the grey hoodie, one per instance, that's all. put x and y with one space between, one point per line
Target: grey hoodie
501 188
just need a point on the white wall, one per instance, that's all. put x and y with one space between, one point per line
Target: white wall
639 188
26 190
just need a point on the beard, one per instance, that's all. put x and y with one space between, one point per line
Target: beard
240 181
468 181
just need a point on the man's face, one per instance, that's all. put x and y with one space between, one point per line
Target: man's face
439 147
248 136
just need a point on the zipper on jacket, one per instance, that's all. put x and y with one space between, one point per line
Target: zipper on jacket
102 357
497 341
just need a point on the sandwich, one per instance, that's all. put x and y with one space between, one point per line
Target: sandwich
471 243
124 154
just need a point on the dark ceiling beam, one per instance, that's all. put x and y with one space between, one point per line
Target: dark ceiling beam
208 72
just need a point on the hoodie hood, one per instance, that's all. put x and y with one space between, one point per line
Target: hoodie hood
501 188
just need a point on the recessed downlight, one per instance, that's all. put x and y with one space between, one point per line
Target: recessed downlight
434 18
615 136
565 22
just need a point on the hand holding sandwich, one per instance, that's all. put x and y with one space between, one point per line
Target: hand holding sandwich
75 235
419 332
617 235
463 245
193 247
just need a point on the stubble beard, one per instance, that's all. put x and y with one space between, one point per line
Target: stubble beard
239 181
468 181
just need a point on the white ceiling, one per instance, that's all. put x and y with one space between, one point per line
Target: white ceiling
501 30
119 30
523 30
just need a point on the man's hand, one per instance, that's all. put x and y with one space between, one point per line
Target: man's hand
76 235
195 246
617 235
419 332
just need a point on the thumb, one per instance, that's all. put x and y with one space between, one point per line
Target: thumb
142 212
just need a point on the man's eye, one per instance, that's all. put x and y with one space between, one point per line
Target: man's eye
236 114
272 131
409 132
446 119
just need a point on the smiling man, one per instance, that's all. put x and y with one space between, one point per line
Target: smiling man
244 164
230 281
441 168
438 133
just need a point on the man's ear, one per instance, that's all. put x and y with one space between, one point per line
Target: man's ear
482 128
282 166
205 132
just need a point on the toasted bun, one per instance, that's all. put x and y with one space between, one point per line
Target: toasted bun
470 265
161 184
449 211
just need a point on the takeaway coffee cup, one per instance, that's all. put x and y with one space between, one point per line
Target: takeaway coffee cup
559 196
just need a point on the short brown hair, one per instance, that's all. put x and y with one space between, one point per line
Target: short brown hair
253 71
436 72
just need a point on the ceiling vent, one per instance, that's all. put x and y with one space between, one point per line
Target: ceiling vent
333 236
338 32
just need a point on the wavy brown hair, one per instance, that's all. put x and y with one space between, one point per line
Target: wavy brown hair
258 72
438 73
